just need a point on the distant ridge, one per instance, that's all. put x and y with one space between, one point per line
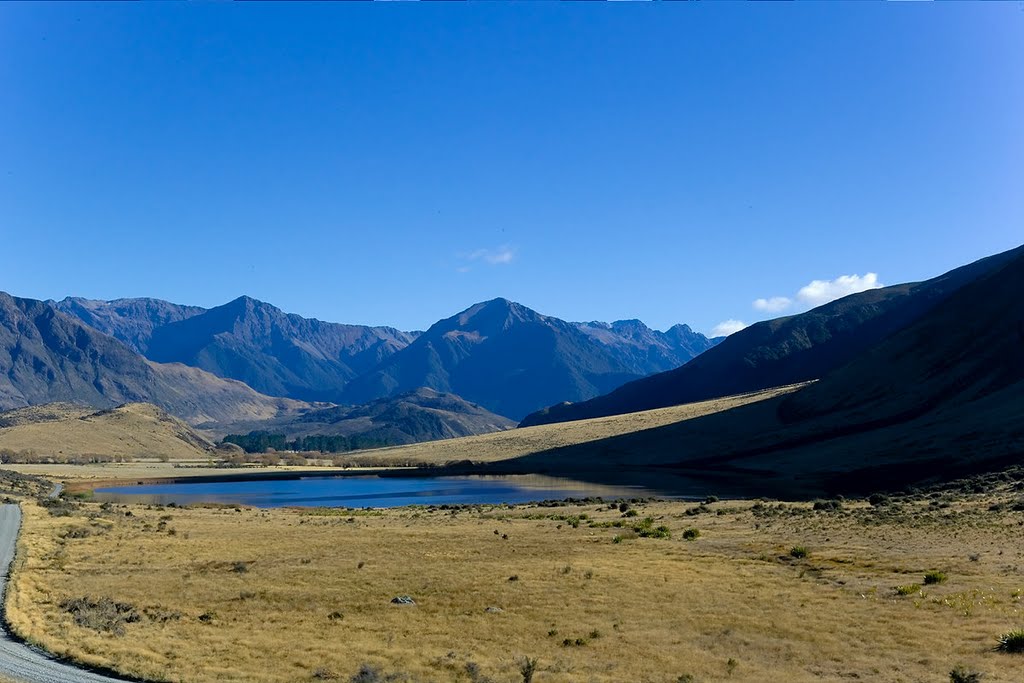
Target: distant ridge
782 351
511 359
131 321
937 399
419 415
276 353
47 356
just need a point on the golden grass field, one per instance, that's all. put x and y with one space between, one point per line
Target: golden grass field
134 430
484 448
248 595
525 441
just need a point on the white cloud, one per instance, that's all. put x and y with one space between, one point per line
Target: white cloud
727 327
774 304
503 255
820 292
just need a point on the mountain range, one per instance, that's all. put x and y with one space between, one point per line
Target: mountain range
782 351
936 398
499 354
47 356
247 361
509 358
897 384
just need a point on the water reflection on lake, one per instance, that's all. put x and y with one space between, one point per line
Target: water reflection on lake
372 491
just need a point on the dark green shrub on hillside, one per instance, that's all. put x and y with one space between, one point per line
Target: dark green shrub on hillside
1012 641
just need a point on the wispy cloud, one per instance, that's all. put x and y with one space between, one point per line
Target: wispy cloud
499 256
727 327
819 292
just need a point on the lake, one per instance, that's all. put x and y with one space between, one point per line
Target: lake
371 491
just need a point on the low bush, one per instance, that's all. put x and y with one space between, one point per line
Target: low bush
1012 641
691 534
102 614
964 675
909 589
932 578
798 551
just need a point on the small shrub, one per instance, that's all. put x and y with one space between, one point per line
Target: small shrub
932 578
878 499
101 615
798 551
1012 641
367 674
527 668
964 675
324 674
240 567
691 534
909 589
828 505
514 577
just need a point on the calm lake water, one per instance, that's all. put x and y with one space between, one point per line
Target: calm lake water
371 491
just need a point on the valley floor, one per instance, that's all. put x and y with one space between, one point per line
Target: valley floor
590 592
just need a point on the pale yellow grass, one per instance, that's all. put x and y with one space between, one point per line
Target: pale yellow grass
518 442
731 605
135 430
485 448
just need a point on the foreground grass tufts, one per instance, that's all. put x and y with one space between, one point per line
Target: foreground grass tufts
962 674
1012 641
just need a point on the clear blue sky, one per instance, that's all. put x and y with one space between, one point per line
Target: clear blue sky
394 163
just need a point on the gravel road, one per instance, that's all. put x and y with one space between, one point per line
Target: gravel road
17 661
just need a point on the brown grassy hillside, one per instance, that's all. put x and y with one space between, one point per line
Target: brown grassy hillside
133 430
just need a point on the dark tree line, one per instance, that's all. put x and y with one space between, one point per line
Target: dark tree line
261 442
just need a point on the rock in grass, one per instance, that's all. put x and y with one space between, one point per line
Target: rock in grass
402 600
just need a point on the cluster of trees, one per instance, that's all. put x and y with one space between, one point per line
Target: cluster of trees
263 442
30 456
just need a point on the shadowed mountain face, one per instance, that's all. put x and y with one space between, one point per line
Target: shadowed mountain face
420 415
782 351
130 320
47 356
937 399
511 359
274 352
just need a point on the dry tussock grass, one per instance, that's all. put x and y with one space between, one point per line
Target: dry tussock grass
518 442
286 595
135 430
485 448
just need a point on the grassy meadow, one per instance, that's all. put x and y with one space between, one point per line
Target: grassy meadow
658 592
484 448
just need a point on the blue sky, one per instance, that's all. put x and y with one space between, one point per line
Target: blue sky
394 163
